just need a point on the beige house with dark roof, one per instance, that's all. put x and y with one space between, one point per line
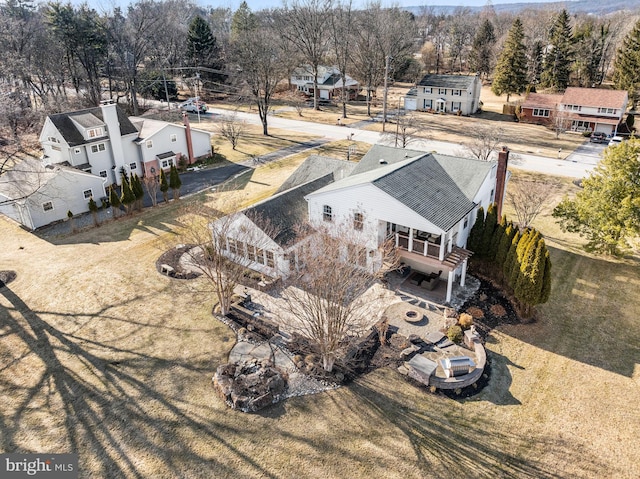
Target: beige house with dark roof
579 109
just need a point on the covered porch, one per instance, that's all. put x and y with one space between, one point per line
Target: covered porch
445 269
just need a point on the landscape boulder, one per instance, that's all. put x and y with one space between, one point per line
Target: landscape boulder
249 386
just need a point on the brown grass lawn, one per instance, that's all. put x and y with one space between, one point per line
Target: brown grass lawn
102 355
520 137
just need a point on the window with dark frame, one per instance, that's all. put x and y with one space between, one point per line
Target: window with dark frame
87 194
358 221
48 206
327 213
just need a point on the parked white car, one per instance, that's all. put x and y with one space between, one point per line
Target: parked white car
193 105
616 140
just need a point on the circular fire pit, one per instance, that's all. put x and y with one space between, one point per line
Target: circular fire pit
412 316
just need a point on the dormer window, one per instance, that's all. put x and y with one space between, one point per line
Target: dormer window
95 132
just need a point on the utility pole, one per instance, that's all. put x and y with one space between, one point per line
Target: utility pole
386 92
198 94
166 90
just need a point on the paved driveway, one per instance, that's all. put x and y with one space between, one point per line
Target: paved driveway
587 153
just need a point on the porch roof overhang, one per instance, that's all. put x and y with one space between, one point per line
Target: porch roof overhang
451 261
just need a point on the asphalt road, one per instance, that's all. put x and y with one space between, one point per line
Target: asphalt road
576 165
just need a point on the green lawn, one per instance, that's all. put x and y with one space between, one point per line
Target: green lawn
102 355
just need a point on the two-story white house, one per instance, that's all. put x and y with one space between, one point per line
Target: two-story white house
578 109
424 203
458 94
103 141
329 82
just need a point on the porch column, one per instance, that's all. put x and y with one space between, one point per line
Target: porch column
450 244
410 239
397 240
450 285
441 255
463 276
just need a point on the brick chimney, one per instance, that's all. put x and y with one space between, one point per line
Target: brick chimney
501 179
187 132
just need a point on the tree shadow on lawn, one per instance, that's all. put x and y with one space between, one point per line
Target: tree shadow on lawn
117 422
591 315
450 443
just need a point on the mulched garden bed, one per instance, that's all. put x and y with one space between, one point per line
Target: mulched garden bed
172 258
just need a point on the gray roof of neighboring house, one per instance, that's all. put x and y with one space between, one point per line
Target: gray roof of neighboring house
89 117
438 188
317 166
457 82
286 211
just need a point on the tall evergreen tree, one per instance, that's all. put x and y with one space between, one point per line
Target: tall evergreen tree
498 233
202 47
164 185
556 70
503 247
607 208
127 198
626 67
481 56
535 62
531 280
510 259
510 75
175 182
475 235
490 223
590 39
138 190
93 207
114 201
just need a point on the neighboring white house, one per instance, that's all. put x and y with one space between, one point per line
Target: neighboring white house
36 195
445 94
103 141
329 82
425 203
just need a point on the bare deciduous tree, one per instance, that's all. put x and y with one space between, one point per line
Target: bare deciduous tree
209 232
528 198
232 129
306 23
484 140
560 122
325 297
151 184
261 63
407 126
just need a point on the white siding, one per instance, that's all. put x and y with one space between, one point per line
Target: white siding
64 191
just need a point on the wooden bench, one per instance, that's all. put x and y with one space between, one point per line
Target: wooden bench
166 269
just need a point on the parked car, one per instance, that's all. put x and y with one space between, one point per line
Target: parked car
598 137
193 105
616 140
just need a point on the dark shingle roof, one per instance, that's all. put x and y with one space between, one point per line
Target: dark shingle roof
317 166
439 188
371 160
424 186
457 82
87 118
285 212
